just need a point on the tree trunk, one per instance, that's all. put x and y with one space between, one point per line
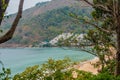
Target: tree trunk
11 31
117 70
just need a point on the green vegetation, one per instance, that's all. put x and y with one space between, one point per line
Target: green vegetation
101 38
51 70
41 4
57 70
50 21
97 41
108 22
5 74
45 26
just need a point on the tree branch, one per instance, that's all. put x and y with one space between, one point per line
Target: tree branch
80 49
92 24
102 7
11 31
96 26
88 51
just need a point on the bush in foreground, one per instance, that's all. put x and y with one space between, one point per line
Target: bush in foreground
56 70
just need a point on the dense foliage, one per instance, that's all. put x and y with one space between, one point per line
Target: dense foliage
5 74
99 40
107 15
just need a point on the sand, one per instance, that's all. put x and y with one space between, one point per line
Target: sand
88 66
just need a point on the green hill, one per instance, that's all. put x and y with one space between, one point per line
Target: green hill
46 20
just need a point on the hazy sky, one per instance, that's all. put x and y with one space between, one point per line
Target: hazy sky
13 6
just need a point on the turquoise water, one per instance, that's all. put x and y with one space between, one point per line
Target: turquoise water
19 58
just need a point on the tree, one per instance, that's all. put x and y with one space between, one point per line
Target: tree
105 33
107 12
3 6
96 43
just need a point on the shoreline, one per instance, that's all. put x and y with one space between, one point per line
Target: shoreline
88 66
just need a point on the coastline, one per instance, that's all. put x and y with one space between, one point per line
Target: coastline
88 66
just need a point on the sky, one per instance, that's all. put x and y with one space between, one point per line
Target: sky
13 5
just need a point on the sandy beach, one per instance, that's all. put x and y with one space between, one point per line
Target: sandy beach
88 66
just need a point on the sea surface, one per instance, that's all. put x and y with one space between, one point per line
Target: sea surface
17 59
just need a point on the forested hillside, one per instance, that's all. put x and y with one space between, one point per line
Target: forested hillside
46 20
